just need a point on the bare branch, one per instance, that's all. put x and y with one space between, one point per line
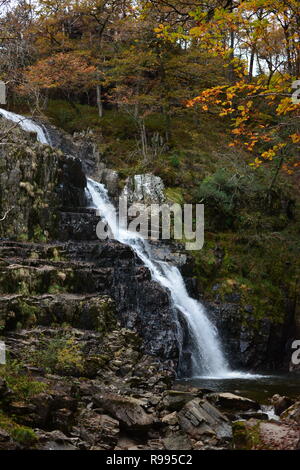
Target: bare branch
6 213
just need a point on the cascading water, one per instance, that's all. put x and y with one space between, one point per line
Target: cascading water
207 357
27 125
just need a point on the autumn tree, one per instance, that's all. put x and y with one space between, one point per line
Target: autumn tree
71 73
264 119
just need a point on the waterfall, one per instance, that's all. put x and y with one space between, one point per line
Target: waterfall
207 357
27 125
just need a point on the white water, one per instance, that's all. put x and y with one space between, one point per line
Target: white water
207 357
28 125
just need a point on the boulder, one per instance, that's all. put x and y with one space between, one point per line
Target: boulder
98 430
174 400
170 419
281 403
292 413
145 188
230 401
199 418
127 410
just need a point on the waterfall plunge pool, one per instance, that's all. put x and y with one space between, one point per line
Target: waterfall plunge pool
259 387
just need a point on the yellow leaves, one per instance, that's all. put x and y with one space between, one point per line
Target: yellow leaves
295 138
269 154
272 152
226 111
285 106
196 31
250 145
257 163
230 95
159 29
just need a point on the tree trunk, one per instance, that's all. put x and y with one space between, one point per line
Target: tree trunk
99 101
251 64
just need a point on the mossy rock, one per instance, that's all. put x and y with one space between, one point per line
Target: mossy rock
246 435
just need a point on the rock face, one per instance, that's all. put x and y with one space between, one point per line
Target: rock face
48 188
249 343
45 284
35 181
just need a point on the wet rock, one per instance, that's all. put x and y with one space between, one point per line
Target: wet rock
254 414
247 342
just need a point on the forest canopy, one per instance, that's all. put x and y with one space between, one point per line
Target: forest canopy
236 60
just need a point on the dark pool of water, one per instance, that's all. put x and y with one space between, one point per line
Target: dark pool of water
258 387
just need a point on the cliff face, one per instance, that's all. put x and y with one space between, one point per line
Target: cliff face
36 181
50 247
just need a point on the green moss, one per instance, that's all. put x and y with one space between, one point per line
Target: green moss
39 234
174 195
61 354
23 237
56 289
22 385
22 434
246 435
259 270
102 313
28 313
